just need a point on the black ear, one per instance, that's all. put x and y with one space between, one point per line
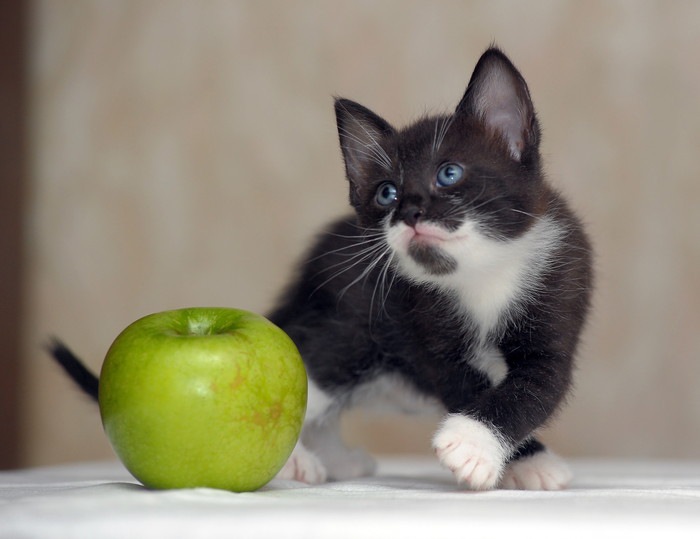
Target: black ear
498 95
361 135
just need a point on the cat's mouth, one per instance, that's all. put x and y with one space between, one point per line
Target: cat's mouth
428 235
431 235
425 245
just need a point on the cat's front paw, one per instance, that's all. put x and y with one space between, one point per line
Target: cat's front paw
541 471
471 450
303 466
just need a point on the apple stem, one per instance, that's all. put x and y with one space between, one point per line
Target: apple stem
199 327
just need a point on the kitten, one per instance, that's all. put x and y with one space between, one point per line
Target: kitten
461 285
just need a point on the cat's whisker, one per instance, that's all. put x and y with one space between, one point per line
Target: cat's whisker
364 273
371 250
356 241
380 282
377 229
360 256
485 202
384 289
477 197
340 252
368 239
457 209
527 213
378 287
358 236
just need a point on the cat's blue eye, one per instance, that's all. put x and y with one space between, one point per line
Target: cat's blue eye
386 194
449 174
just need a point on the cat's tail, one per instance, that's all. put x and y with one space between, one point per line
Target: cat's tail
75 368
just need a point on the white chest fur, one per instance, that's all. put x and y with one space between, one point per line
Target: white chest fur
490 362
492 276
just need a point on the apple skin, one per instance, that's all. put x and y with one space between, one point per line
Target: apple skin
203 397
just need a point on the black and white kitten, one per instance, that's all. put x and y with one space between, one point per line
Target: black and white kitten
462 283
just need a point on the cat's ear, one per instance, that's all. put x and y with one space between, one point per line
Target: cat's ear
362 134
498 95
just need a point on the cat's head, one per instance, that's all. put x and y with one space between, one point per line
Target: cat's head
446 190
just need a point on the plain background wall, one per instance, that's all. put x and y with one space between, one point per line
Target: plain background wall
184 153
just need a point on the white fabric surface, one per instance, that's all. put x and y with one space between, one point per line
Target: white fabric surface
408 498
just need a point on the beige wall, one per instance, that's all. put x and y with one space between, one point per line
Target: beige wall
183 153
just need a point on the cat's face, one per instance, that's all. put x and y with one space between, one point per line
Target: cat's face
449 192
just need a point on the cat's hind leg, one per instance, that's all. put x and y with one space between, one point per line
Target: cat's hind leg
534 467
303 466
320 454
324 439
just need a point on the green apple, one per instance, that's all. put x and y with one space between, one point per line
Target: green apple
203 397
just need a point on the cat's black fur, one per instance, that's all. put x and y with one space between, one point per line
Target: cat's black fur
357 313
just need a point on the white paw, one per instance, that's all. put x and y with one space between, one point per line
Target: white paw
475 453
541 471
303 466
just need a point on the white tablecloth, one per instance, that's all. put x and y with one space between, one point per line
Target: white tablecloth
408 498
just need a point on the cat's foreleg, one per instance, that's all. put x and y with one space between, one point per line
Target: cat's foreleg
475 452
478 443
